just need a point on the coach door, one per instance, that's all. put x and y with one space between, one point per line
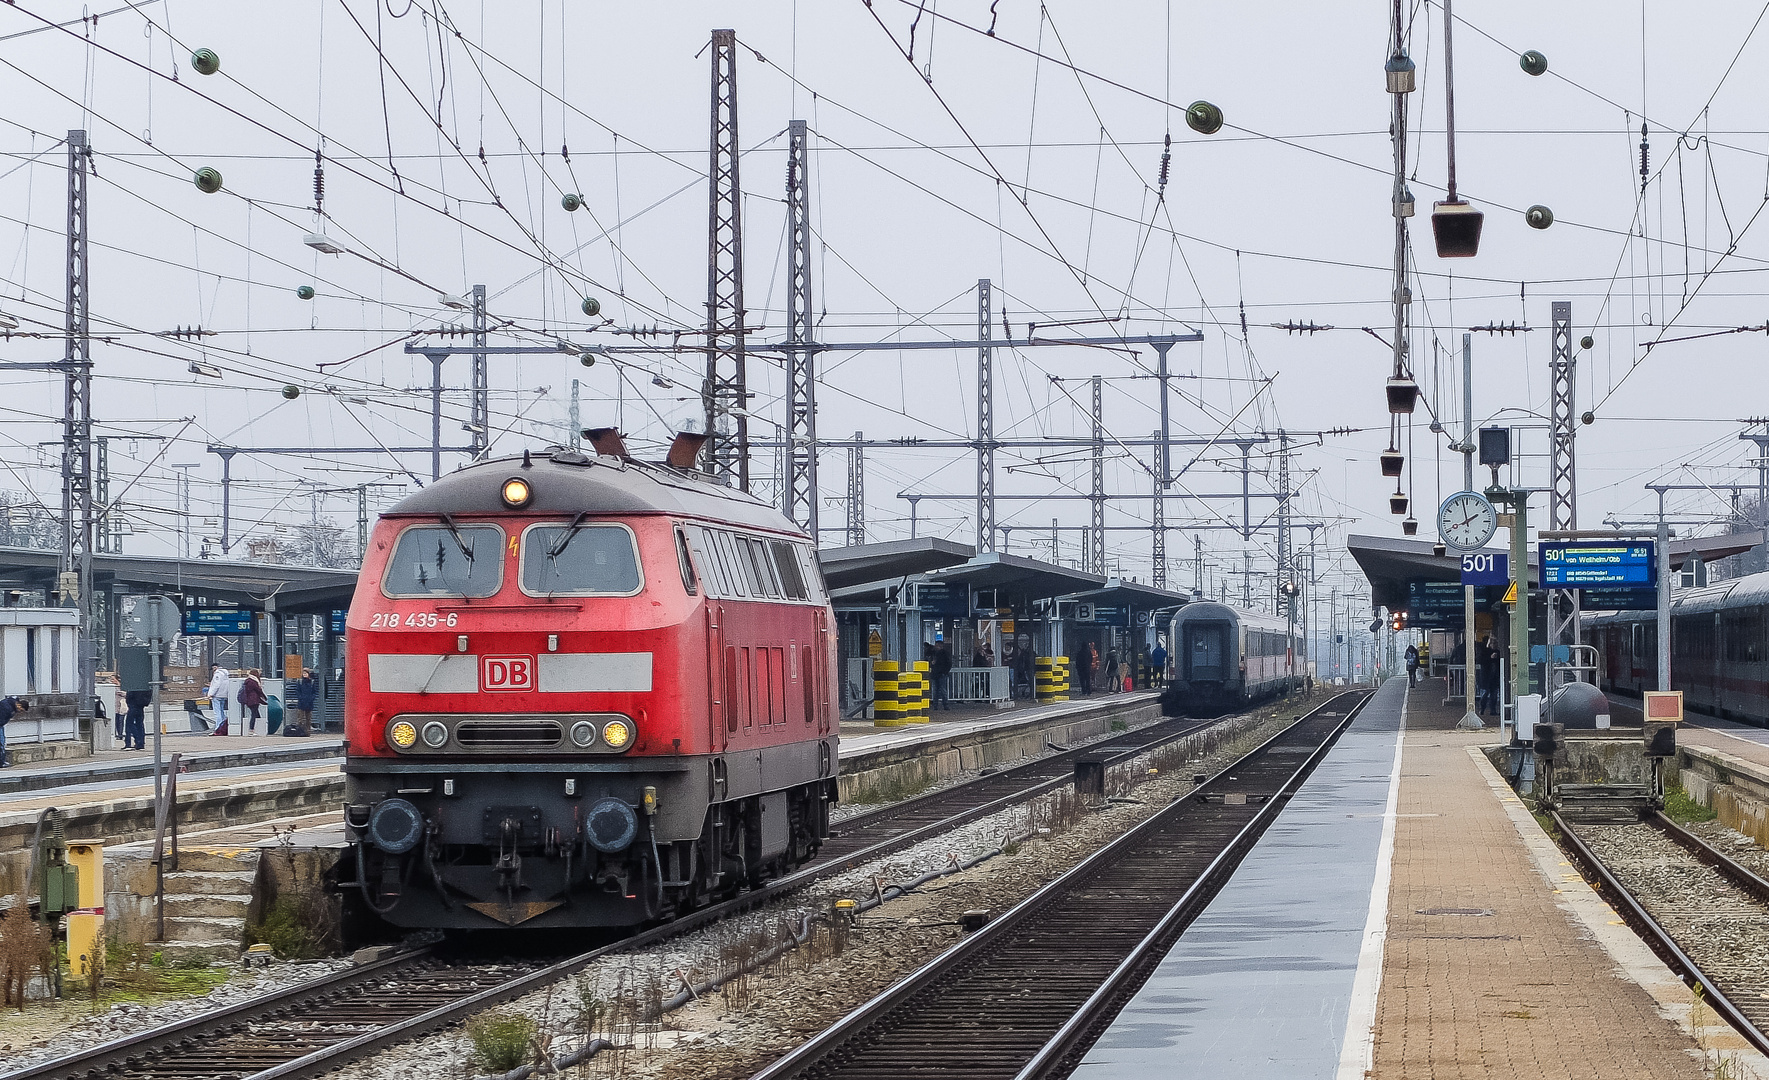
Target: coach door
1206 652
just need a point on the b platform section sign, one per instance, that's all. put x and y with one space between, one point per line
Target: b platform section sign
1584 564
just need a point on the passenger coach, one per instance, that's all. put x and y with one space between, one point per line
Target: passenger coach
584 690
1221 657
1719 648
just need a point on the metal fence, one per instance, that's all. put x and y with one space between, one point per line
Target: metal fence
989 684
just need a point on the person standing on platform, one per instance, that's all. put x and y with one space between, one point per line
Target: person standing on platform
1158 661
979 658
219 690
1114 684
1412 665
135 725
9 708
940 666
306 697
251 698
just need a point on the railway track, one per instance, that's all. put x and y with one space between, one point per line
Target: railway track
1027 994
314 1027
1704 914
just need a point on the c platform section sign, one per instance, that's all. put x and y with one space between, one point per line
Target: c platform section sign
1580 564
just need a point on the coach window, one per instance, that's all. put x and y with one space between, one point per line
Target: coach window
436 560
580 560
685 564
812 572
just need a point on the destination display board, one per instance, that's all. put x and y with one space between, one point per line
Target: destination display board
943 600
1573 564
338 620
1614 599
1434 605
220 621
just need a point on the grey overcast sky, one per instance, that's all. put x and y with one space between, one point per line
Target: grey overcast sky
1030 157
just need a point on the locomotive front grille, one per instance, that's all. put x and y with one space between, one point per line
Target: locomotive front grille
509 734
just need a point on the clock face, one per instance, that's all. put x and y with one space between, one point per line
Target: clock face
1466 520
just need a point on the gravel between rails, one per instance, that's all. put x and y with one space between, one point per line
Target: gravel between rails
731 1032
1723 929
38 1034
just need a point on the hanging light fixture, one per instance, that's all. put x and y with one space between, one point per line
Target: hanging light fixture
1403 394
1455 225
1410 527
1397 503
1392 460
1400 73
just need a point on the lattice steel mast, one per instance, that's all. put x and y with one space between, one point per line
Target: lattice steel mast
799 499
76 432
724 393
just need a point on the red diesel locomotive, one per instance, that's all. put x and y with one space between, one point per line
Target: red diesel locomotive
584 690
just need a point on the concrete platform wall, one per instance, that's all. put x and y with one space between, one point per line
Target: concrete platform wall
930 762
1735 789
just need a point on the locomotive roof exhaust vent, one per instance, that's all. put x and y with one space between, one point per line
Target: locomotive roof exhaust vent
685 450
607 442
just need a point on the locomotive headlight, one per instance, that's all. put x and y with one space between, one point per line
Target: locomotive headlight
516 492
435 734
583 733
402 734
617 733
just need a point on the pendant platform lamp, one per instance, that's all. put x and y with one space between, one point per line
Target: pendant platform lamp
1392 460
1397 503
1455 225
1403 394
1410 527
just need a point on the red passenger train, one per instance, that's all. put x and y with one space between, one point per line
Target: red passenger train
584 690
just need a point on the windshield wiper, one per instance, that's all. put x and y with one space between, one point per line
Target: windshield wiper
558 548
460 541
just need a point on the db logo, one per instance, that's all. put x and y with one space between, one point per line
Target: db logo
506 673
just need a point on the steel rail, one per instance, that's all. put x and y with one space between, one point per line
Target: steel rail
986 944
131 1051
216 1021
1660 940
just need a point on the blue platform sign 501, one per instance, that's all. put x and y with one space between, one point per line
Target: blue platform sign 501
1570 565
1486 568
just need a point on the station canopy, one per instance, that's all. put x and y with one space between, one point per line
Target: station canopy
298 589
867 563
1391 563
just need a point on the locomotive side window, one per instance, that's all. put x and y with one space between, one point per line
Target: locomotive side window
735 575
812 571
792 582
437 560
579 560
689 581
761 566
707 553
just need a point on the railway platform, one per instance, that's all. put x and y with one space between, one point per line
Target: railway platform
1407 917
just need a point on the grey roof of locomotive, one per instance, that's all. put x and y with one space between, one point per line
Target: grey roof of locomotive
570 482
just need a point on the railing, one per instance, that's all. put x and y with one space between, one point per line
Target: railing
1458 683
988 684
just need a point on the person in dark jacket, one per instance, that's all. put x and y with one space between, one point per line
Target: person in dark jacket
306 698
251 698
9 708
134 721
940 666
